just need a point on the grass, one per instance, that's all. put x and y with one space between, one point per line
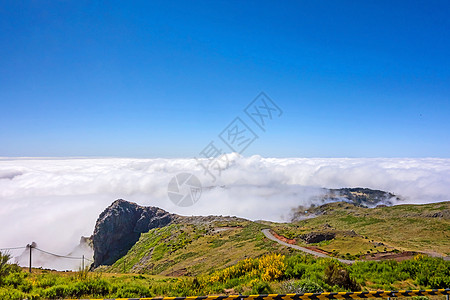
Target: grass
351 245
194 249
235 257
271 273
187 249
402 227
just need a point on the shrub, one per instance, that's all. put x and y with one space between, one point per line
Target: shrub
82 274
301 286
47 280
132 290
57 291
267 268
298 265
10 294
14 279
272 266
336 275
261 287
5 266
95 287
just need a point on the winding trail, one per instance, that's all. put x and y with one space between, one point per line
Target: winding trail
270 236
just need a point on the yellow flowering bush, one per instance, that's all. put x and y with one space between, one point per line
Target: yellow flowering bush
419 257
272 266
267 268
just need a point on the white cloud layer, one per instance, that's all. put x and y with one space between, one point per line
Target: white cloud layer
55 201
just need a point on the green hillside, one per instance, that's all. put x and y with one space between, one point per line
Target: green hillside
190 249
193 249
198 257
369 232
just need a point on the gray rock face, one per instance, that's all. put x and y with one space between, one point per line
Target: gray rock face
119 227
362 196
444 214
316 237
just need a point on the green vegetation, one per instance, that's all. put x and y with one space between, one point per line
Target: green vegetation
194 249
269 273
235 257
361 231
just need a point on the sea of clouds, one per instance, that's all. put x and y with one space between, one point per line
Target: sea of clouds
54 202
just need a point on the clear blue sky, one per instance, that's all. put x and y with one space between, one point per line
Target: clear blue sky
164 78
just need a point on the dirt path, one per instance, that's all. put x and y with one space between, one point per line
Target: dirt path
380 257
270 236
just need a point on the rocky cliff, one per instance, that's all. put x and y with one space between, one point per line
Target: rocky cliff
362 196
119 227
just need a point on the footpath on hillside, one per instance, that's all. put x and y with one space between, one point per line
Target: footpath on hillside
270 236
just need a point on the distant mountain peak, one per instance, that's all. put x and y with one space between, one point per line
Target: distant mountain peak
362 196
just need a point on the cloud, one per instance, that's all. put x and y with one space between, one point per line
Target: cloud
9 174
55 201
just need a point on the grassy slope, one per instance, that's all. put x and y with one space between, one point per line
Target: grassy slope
402 227
186 249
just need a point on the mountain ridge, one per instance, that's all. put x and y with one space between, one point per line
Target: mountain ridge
134 238
121 224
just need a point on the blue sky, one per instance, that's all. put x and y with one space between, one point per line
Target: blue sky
164 78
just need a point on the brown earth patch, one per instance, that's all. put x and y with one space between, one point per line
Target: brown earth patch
315 249
391 256
284 239
178 273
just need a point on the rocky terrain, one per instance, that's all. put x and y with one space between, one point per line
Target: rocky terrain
121 224
362 196
119 227
351 231
133 238
317 237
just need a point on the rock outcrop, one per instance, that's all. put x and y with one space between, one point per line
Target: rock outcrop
357 197
119 227
362 196
317 237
